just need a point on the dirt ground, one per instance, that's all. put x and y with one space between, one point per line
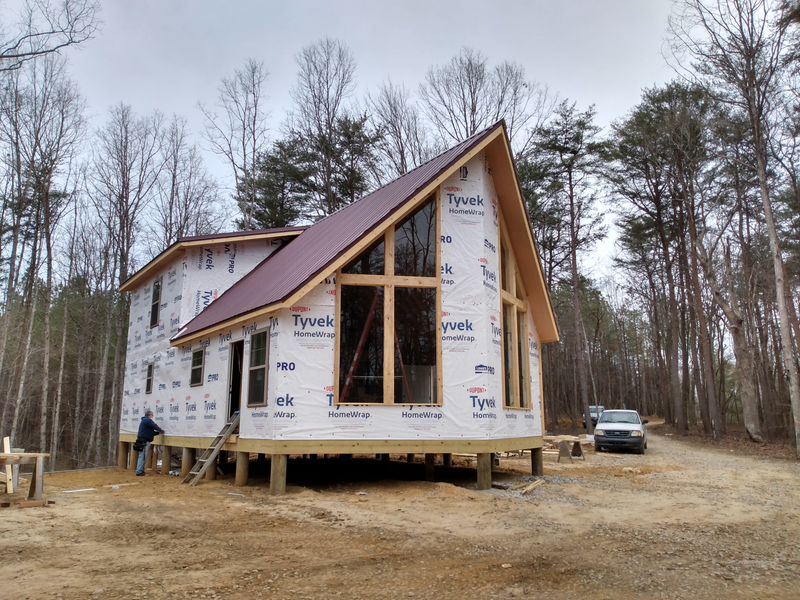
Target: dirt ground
687 520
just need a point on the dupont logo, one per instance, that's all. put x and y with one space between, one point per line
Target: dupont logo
452 188
328 388
330 292
445 313
493 318
476 390
483 260
300 309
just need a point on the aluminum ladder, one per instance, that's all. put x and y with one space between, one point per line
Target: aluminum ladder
210 454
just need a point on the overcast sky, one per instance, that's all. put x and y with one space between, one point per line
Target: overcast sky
153 54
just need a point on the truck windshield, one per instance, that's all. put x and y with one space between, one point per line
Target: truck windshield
612 417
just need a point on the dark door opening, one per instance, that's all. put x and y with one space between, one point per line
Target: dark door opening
236 355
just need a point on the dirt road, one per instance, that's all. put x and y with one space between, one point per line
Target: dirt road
683 521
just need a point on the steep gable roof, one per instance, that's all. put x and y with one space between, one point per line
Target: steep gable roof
282 279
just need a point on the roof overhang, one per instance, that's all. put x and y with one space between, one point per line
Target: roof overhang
175 250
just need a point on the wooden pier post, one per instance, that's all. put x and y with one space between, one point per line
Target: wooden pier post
485 460
537 462
277 474
187 462
242 468
166 460
430 461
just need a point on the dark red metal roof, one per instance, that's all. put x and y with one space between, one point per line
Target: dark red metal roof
312 252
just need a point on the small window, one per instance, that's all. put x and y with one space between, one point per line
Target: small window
148 384
196 378
155 302
259 359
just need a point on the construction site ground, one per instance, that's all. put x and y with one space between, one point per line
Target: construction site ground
689 519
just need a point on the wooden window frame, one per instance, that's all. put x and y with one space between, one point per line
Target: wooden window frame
389 281
201 366
155 307
265 366
519 314
148 381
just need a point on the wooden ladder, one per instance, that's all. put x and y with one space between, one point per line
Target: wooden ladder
210 454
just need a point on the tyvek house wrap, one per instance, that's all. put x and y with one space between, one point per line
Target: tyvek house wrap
188 285
302 346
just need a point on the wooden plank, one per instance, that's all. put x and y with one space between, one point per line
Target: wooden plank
33 503
37 479
374 280
388 344
399 446
9 471
439 377
533 486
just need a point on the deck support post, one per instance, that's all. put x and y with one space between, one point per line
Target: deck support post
537 462
447 460
211 473
430 460
242 468
134 460
277 474
410 458
122 455
187 462
384 457
150 459
166 460
485 460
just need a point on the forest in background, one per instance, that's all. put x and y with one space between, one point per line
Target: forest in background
701 181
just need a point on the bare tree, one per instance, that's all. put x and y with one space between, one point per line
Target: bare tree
405 142
187 198
736 49
239 133
46 27
466 95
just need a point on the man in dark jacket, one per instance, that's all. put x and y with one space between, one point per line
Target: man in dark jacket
148 429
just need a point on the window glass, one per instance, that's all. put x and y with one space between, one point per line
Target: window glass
257 376
361 344
148 384
508 354
415 346
522 349
155 302
196 377
415 243
369 262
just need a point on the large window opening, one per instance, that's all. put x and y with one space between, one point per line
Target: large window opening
388 298
514 349
259 363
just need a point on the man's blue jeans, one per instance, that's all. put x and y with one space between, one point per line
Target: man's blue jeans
142 458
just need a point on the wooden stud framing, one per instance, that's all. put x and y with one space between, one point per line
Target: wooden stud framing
389 282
